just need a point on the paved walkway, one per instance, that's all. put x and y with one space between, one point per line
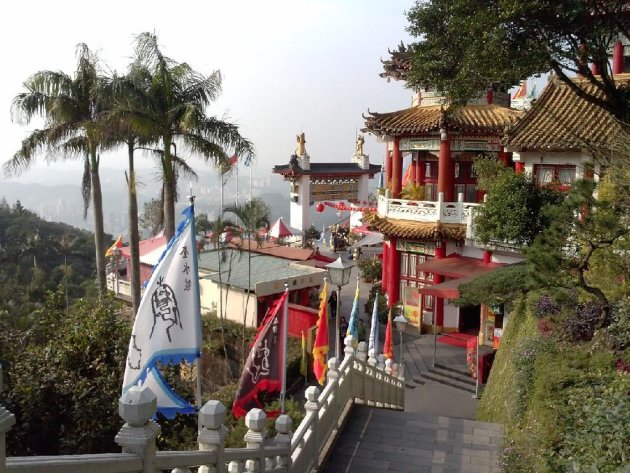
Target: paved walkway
436 432
379 440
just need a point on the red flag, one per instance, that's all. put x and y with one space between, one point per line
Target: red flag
117 244
233 160
263 369
321 345
388 350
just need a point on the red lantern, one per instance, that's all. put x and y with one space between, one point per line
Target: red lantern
319 207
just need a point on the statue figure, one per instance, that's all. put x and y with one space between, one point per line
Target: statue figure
360 141
300 150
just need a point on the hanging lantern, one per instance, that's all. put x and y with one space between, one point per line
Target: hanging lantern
319 207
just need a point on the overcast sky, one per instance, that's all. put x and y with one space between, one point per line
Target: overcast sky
287 66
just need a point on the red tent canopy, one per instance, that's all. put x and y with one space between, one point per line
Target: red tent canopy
279 230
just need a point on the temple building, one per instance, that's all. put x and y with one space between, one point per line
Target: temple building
429 247
322 182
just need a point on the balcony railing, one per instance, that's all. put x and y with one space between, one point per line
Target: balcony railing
426 211
357 380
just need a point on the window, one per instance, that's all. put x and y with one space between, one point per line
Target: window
548 174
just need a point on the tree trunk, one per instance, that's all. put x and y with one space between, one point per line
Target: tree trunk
169 190
99 234
134 235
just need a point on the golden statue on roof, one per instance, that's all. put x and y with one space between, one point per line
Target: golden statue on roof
300 150
360 142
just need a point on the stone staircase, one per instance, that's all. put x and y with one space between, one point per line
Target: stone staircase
419 369
378 440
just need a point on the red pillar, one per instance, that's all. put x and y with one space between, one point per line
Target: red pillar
393 286
440 253
487 257
420 169
504 157
617 65
385 270
489 96
396 169
519 167
594 69
388 168
445 169
414 171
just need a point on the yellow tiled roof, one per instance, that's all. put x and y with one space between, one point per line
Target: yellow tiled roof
424 231
491 119
560 120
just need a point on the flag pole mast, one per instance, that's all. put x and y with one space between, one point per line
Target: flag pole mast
237 182
196 302
285 321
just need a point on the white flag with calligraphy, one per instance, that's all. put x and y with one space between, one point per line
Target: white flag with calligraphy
168 323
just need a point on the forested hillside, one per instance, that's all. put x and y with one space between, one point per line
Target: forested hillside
36 256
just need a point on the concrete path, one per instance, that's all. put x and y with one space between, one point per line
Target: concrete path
379 440
436 432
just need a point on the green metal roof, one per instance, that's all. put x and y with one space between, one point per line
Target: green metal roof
234 268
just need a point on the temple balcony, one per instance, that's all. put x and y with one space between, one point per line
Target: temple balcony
427 211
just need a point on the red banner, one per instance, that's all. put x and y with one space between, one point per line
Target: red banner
263 369
471 356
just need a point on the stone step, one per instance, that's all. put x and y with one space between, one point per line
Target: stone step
447 382
465 379
379 440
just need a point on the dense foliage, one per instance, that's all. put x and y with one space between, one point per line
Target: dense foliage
371 269
37 256
563 399
465 46
496 287
513 213
63 375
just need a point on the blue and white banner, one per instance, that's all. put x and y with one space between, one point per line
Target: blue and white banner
167 328
373 340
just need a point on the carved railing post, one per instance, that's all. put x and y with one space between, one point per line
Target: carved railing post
380 368
255 438
333 370
362 351
312 407
284 429
349 342
235 467
212 432
137 407
7 420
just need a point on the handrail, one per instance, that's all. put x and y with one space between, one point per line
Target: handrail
373 382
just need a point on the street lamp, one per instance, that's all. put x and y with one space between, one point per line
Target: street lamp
339 273
401 326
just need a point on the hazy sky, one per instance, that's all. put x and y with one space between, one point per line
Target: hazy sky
287 66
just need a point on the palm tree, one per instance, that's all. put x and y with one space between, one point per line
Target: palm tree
70 107
173 110
253 215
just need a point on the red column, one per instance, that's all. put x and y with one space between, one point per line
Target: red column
617 65
388 168
487 257
413 173
489 96
420 169
445 169
438 306
396 169
519 167
393 261
385 270
504 157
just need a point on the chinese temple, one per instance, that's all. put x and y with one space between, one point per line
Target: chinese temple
324 182
429 246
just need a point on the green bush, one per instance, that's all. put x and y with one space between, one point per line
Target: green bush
371 269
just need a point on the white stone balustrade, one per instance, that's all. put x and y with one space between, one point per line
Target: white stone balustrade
426 211
306 449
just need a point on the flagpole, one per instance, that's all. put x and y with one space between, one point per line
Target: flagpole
250 180
285 321
237 182
196 302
